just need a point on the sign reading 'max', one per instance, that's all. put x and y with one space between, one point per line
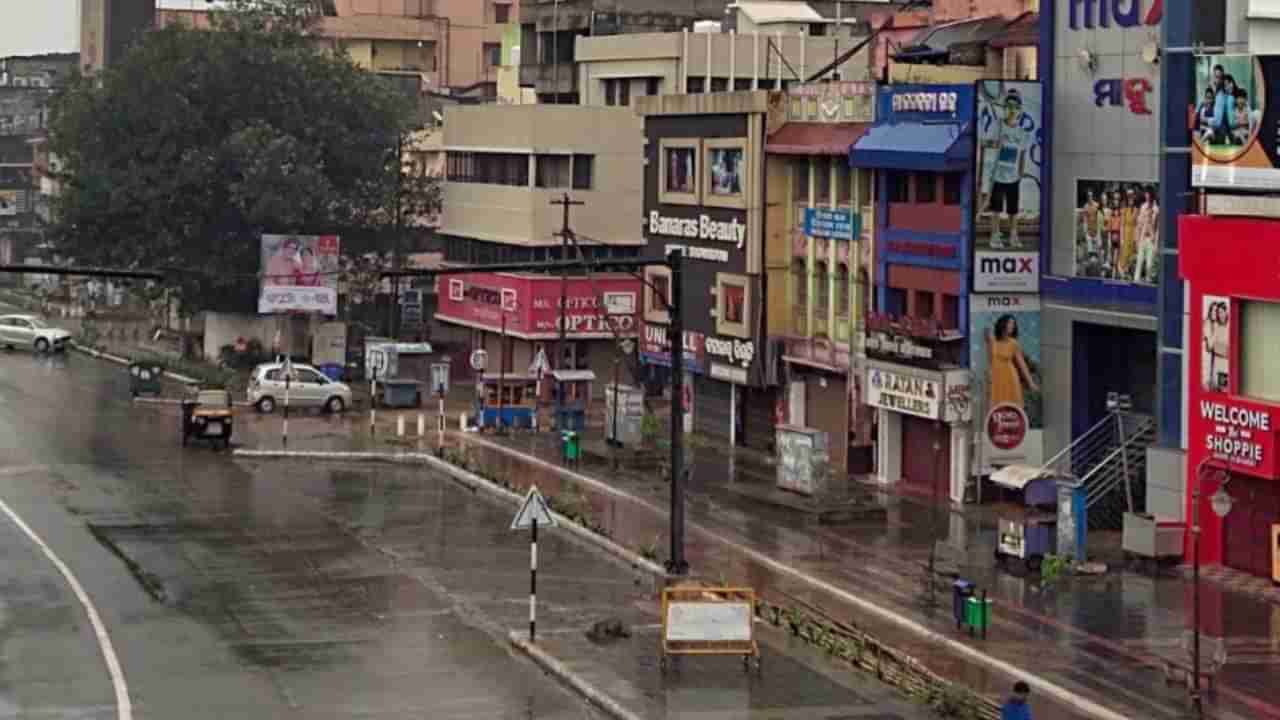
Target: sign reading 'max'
700 228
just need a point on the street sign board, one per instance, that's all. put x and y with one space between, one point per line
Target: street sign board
479 360
533 508
539 364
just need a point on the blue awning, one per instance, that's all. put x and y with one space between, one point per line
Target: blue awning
939 147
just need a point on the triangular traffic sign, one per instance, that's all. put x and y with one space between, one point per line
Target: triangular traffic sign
533 507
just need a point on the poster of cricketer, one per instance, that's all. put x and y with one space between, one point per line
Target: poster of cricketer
1004 356
299 274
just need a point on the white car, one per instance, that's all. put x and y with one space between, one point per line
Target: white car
308 388
29 331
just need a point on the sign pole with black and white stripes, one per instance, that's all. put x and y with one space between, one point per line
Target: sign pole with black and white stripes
532 513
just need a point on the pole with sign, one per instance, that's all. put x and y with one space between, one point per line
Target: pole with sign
479 360
532 513
287 369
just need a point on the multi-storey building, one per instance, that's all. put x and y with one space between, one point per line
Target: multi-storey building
108 26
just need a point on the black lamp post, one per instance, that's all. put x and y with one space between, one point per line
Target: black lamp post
1221 503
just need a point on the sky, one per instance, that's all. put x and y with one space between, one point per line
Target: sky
43 26
40 26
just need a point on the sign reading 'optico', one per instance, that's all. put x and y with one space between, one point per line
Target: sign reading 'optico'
827 223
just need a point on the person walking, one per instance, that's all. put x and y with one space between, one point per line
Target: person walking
1016 707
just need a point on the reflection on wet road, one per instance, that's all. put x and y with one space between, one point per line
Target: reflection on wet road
259 591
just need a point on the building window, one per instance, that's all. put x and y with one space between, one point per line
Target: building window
822 180
695 85
844 178
488 168
492 54
553 171
719 84
678 172
725 166
822 291
741 84
583 165
950 312
657 294
924 304
842 290
899 186
735 308
624 91
1259 362
652 85
733 297
610 92
926 187
951 186
800 179
895 302
501 13
800 279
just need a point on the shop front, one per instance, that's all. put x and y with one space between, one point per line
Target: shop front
1233 388
515 318
703 197
924 428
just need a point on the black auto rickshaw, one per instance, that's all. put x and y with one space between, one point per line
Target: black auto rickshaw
206 414
145 377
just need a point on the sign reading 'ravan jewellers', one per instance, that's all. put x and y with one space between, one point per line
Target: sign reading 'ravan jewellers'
702 227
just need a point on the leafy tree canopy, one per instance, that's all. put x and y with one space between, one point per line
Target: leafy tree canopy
197 142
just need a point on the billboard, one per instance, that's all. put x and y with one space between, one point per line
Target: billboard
1004 356
9 202
1117 231
1010 155
299 274
1233 130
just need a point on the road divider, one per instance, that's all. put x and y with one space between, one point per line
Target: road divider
576 682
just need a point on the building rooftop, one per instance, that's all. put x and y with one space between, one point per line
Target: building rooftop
765 12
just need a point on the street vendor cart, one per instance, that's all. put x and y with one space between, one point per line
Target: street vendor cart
207 415
508 400
1029 535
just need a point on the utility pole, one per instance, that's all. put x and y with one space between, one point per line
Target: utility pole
677 565
393 305
566 235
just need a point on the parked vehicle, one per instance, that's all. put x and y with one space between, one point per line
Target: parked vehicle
30 331
307 388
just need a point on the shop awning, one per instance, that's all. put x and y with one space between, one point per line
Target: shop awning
573 375
939 147
810 138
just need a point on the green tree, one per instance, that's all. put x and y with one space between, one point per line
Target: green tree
197 142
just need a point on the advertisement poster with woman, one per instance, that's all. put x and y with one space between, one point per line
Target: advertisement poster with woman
1215 345
299 274
1005 359
1117 231
1230 143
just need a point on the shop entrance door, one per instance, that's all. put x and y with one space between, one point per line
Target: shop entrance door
921 464
1248 527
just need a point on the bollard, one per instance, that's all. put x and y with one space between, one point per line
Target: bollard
400 426
462 421
422 425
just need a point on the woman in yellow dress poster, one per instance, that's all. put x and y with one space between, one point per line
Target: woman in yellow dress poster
1008 365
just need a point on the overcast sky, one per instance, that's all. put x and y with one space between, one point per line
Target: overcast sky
42 26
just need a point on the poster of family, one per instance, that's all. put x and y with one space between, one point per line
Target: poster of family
299 274
1231 145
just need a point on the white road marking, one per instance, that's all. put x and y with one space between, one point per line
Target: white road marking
124 708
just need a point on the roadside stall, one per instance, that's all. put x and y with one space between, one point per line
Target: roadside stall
508 400
572 391
402 371
1031 534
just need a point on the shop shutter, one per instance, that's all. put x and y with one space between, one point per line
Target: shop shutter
826 412
921 464
1248 527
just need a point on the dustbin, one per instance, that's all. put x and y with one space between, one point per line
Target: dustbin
569 444
977 614
961 591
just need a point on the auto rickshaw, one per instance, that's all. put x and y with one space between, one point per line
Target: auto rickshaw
145 377
207 415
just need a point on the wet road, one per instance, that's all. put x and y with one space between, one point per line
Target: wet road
259 591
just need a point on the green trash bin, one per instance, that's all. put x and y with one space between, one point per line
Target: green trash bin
977 614
569 441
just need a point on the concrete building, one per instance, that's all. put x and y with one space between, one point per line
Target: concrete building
451 46
108 26
506 168
818 264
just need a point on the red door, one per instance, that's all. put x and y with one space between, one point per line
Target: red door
922 464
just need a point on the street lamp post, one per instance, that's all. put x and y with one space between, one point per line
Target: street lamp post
1221 504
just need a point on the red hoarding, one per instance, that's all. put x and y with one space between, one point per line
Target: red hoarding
596 307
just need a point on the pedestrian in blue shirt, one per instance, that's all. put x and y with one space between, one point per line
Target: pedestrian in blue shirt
1016 707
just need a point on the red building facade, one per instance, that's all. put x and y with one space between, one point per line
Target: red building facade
1232 270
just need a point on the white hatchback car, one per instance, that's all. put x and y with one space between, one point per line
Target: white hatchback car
308 388
29 331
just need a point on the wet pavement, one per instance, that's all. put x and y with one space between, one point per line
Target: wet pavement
1097 637
234 588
